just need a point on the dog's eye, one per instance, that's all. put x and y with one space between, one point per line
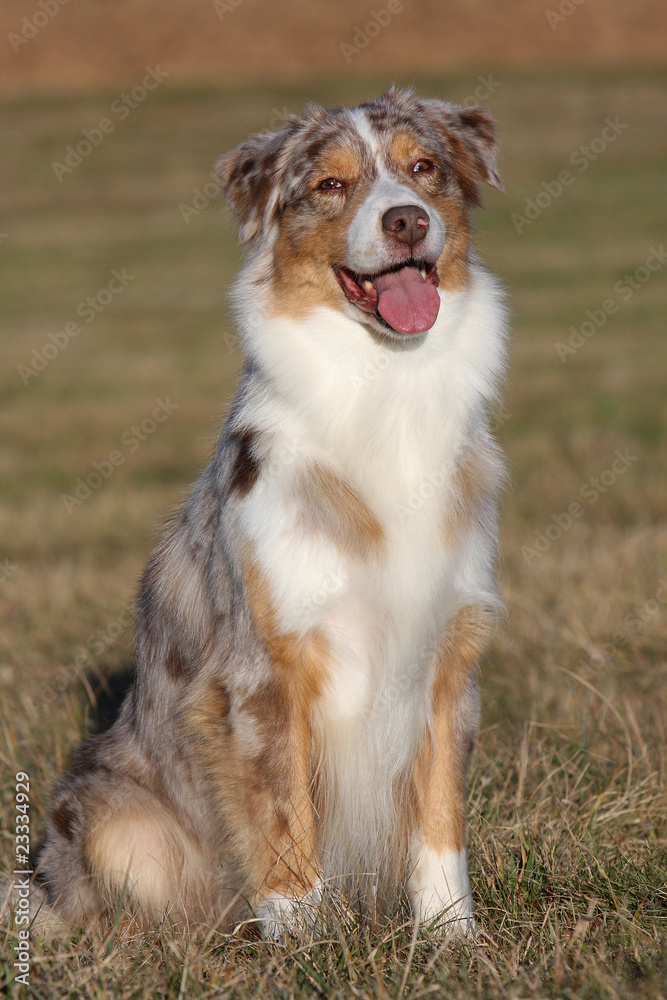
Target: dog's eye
422 167
331 184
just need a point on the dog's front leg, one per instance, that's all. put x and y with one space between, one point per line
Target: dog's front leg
255 748
438 883
289 887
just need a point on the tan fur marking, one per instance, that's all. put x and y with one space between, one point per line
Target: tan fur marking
334 507
405 150
454 260
307 249
465 640
300 664
441 766
264 792
263 799
292 870
341 163
303 281
475 480
303 278
219 701
141 855
301 669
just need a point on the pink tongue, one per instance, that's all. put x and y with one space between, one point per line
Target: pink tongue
407 302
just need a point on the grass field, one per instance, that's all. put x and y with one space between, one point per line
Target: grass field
568 791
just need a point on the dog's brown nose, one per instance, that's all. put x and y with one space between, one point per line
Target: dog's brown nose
406 223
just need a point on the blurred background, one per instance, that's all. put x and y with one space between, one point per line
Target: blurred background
119 360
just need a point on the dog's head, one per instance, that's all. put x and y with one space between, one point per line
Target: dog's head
364 210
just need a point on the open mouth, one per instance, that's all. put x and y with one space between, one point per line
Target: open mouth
403 298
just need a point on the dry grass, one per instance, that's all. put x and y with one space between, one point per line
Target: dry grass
98 43
568 799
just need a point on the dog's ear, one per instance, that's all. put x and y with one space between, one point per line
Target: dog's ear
470 134
248 177
480 130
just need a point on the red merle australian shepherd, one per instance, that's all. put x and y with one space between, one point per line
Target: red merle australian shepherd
309 624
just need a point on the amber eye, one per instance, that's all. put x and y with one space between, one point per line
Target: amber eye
331 184
422 167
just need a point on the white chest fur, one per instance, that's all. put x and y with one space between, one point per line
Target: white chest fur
392 423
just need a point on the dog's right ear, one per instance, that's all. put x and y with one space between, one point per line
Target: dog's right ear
248 177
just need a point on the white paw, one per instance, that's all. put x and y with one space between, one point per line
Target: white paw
281 916
440 891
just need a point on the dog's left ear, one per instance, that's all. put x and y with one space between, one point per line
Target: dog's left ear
470 134
248 179
480 128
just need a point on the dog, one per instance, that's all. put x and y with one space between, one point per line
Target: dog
309 624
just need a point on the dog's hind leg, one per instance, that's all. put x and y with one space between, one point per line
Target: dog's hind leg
113 844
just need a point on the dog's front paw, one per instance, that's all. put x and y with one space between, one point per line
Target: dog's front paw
440 892
282 916
449 916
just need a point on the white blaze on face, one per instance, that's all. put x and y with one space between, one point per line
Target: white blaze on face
369 248
398 274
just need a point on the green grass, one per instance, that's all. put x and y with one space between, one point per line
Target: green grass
567 796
